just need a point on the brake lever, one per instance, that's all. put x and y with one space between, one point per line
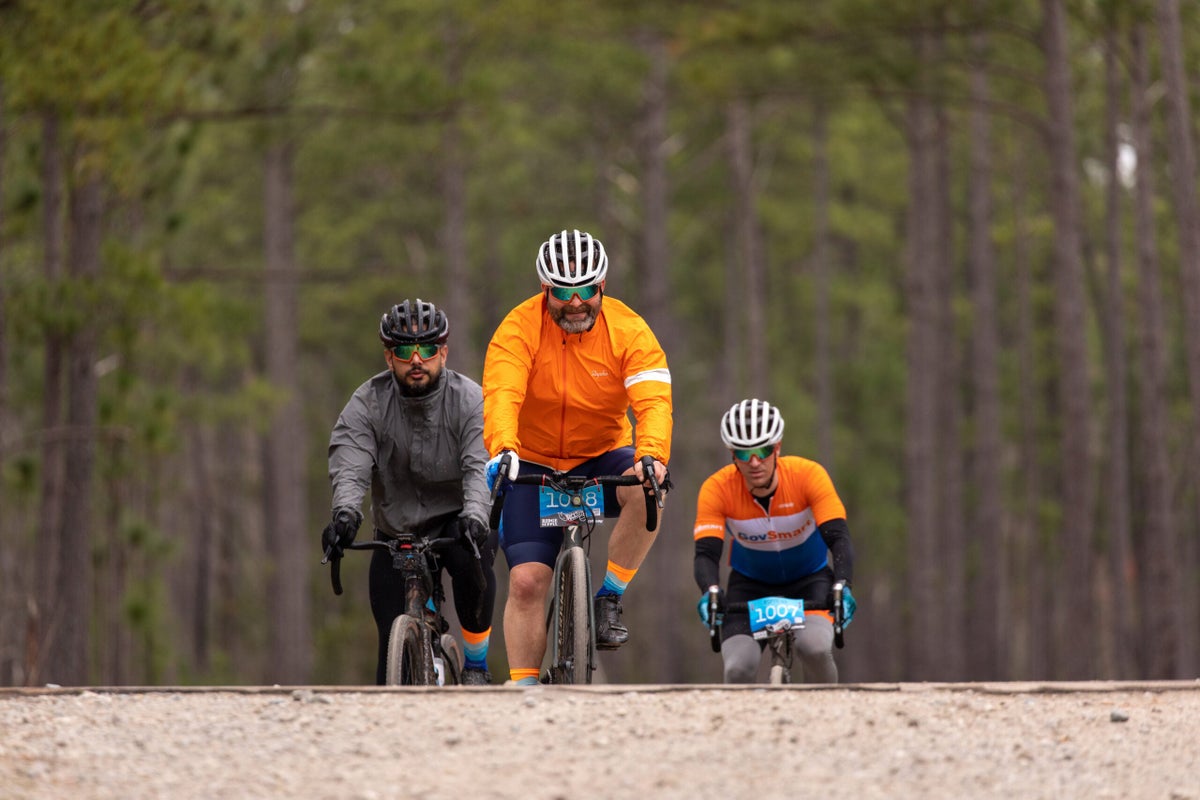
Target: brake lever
648 471
839 625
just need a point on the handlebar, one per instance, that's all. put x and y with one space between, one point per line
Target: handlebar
333 555
839 622
714 627
573 485
648 471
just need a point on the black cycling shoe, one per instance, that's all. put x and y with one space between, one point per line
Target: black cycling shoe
610 633
474 676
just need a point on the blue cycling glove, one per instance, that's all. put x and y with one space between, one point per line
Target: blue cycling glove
848 607
702 606
493 467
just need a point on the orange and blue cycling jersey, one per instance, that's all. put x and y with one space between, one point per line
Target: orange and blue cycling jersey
779 545
560 399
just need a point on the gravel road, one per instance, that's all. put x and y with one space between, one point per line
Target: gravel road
1086 740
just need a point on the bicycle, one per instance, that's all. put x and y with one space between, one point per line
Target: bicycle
575 503
773 619
420 650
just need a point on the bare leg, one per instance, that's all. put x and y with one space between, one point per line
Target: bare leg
525 615
630 540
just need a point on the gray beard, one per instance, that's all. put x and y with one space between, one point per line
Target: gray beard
570 326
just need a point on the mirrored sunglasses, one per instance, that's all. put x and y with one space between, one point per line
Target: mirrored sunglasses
565 293
405 352
763 452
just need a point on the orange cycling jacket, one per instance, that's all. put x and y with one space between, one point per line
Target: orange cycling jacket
558 399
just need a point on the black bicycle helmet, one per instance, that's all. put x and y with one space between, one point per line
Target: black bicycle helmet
414 322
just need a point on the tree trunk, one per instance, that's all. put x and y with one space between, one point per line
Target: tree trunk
67 662
288 541
951 532
661 587
822 294
748 238
1075 655
207 519
457 297
1117 590
1181 151
4 421
1159 544
1030 657
652 138
923 360
53 446
12 586
989 601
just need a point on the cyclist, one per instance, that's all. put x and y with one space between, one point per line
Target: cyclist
413 435
561 372
783 517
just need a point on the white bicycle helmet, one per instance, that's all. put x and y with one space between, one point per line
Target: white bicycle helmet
751 423
570 259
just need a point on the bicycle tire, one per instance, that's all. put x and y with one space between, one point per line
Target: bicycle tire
405 660
572 656
452 659
779 675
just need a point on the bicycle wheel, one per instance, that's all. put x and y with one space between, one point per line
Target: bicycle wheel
452 660
781 659
572 656
405 659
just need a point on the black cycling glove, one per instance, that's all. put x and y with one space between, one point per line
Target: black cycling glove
473 528
341 530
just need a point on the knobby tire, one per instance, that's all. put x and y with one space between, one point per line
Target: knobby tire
573 645
405 660
452 659
781 660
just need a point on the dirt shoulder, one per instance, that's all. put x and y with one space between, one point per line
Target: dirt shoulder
1089 740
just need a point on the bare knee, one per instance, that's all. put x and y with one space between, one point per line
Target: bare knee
528 583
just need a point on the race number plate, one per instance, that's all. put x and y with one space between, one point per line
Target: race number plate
557 509
774 613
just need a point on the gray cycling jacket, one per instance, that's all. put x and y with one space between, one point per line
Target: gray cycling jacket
422 457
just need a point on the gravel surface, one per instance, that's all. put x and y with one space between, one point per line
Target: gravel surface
1089 740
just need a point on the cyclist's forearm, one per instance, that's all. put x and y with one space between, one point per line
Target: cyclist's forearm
349 475
836 534
706 566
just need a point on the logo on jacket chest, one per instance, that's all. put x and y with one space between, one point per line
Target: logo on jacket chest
599 373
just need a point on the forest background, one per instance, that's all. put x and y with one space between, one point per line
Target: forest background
958 243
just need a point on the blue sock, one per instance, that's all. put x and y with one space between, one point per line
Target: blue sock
615 580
